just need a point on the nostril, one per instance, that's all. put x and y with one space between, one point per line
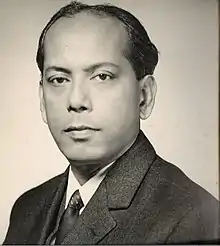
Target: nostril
77 109
70 109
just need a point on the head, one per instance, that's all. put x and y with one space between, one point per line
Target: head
96 64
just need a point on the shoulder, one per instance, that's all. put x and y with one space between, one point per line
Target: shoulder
41 189
177 180
37 196
196 210
29 208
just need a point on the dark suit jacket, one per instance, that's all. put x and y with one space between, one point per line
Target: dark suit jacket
142 200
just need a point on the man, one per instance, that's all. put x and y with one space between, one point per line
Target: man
97 64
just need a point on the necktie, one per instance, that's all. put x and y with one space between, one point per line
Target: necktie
69 217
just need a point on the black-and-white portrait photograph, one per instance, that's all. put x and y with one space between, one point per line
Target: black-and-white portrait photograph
109 122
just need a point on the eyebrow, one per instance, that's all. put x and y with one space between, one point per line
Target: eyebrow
58 69
96 66
88 69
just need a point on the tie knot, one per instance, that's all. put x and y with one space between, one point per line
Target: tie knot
76 201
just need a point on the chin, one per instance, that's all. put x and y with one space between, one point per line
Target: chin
86 155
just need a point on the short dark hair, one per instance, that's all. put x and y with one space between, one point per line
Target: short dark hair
141 52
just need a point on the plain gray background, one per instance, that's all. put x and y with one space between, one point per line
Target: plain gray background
183 127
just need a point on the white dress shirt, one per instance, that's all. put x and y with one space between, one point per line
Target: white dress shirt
88 189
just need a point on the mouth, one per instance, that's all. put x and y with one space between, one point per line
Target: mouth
81 133
80 128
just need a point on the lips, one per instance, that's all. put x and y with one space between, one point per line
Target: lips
80 128
81 133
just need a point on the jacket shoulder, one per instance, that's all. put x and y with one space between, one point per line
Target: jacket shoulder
198 218
169 173
34 198
40 190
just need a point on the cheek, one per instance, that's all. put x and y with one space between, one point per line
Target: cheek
118 106
55 109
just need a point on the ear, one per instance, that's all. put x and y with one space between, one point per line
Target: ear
148 91
42 103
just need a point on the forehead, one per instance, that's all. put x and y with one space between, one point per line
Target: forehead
86 35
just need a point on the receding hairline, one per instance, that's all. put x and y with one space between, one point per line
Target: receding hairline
96 14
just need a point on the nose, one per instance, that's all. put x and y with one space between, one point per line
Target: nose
79 99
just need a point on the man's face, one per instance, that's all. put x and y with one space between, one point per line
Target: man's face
90 94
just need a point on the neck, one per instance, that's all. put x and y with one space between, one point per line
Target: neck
84 172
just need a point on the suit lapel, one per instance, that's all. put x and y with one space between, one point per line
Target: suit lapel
115 192
124 179
48 218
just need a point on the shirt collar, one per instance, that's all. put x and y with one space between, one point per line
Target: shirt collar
88 189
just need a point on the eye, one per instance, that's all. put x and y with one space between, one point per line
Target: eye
103 77
58 81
